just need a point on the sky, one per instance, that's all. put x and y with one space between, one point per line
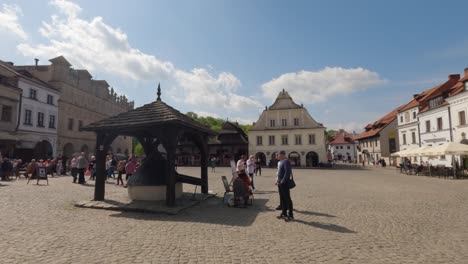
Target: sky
348 62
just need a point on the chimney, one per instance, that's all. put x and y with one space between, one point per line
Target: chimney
455 77
415 95
466 71
37 62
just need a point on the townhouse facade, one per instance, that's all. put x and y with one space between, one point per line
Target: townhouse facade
288 126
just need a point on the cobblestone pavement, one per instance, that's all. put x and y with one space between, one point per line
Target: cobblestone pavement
342 216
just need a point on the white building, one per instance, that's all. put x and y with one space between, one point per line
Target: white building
435 122
458 103
409 126
37 128
288 126
343 146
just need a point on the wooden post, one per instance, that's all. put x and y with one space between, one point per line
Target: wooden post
204 164
170 146
99 188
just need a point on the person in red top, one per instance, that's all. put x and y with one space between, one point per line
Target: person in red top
130 168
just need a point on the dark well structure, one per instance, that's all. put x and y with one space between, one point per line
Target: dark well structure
158 127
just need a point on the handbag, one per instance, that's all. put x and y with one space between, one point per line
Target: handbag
291 182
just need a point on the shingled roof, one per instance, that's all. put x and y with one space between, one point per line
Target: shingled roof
153 114
375 128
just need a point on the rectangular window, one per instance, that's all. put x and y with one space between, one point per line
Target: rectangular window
32 94
439 123
401 119
298 139
376 143
284 140
414 115
348 147
70 123
428 126
259 140
7 112
462 118
51 121
312 139
296 121
271 140
272 123
404 139
50 99
284 122
40 119
27 117
413 137
80 124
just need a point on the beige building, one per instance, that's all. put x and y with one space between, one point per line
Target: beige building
10 96
379 140
288 126
82 101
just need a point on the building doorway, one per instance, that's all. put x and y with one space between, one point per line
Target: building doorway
295 159
43 150
312 159
261 156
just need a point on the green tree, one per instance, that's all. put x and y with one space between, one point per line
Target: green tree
138 150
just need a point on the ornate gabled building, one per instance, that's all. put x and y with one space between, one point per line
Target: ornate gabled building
288 126
83 100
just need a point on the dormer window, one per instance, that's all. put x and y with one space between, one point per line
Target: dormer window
436 102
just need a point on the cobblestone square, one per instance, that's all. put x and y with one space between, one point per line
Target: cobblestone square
346 215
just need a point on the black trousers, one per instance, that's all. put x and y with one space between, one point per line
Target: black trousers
81 178
286 202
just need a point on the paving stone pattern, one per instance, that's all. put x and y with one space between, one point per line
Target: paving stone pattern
342 216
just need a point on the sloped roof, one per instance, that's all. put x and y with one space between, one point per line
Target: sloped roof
375 128
420 98
233 128
284 101
342 137
459 86
153 114
25 74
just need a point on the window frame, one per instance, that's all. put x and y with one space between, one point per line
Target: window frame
5 110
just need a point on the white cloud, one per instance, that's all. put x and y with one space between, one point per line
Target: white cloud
347 126
9 23
313 87
97 46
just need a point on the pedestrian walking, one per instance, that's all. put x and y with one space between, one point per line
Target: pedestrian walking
250 170
74 170
81 166
213 164
258 167
283 181
120 171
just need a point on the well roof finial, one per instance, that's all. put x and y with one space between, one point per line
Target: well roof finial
159 92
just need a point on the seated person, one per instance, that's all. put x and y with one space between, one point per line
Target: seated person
241 188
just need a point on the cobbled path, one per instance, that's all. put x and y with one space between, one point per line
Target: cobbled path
342 216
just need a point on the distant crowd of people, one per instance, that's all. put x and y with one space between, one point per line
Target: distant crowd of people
78 167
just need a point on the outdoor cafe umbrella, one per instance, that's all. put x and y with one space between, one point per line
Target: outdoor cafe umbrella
450 148
403 153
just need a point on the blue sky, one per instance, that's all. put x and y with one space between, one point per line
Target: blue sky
348 62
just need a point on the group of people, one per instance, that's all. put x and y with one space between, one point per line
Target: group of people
13 167
284 176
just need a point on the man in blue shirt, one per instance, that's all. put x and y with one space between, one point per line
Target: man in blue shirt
284 176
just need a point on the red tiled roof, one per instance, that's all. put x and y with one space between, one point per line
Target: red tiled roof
377 126
420 98
342 137
459 86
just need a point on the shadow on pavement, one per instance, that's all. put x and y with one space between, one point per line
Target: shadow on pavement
313 213
211 211
325 226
